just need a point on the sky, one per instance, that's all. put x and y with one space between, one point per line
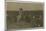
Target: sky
25 0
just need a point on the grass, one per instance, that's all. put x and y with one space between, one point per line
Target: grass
26 17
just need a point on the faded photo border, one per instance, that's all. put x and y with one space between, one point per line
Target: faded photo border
3 18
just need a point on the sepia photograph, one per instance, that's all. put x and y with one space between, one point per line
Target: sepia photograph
24 15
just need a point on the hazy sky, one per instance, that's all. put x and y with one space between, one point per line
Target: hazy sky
24 0
25 6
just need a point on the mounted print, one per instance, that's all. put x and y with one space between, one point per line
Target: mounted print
24 15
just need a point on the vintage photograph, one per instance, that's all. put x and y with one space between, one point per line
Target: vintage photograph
22 15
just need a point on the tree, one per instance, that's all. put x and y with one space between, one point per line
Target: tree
19 16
